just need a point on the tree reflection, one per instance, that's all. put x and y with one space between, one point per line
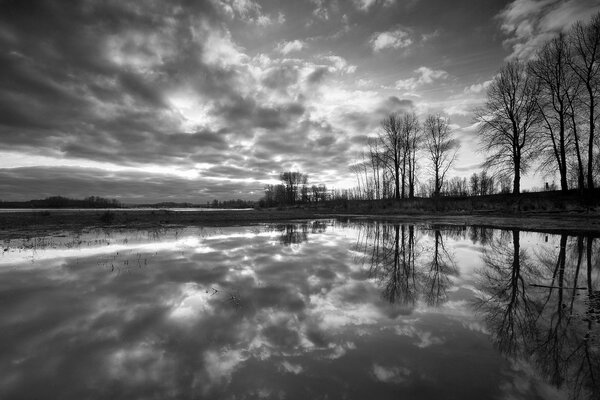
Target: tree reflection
406 272
436 279
544 308
293 234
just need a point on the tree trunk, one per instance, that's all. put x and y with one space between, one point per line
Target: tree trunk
517 180
397 179
564 186
590 177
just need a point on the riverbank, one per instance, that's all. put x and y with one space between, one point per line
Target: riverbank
46 222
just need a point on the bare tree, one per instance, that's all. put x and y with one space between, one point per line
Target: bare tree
391 140
376 159
585 63
291 181
507 121
441 147
410 132
552 71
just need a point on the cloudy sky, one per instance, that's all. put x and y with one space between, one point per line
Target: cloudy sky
196 100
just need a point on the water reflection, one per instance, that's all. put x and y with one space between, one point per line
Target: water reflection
406 270
296 233
319 309
545 307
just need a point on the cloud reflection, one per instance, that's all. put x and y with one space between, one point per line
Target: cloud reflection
214 314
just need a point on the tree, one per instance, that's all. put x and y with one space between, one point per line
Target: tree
410 133
474 184
441 148
507 121
584 42
553 75
391 140
291 181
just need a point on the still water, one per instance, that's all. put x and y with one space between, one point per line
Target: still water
314 310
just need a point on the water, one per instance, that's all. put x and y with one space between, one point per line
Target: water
94 210
315 310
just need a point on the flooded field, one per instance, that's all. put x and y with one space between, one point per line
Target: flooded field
311 310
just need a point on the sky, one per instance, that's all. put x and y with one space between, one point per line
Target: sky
183 100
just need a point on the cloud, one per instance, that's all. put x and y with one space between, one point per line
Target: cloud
248 11
131 186
193 85
339 64
424 76
390 40
477 88
530 23
390 374
288 47
321 9
365 5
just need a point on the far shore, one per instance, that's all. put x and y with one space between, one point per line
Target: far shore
35 222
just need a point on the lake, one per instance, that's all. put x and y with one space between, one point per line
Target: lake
131 209
323 309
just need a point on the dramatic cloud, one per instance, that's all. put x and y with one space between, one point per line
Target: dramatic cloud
529 23
216 94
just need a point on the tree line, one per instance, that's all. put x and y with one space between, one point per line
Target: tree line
389 168
292 190
544 111
540 113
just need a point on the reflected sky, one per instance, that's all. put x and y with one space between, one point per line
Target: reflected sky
320 309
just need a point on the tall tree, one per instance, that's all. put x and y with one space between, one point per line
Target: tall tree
376 161
391 140
410 132
507 121
551 68
441 148
585 63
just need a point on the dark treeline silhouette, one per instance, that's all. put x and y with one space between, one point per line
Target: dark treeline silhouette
294 189
237 203
546 308
63 202
544 111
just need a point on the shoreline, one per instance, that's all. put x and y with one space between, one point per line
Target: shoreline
47 222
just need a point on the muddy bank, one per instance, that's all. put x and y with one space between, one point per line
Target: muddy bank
36 222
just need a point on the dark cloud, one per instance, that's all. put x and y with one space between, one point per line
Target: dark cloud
317 75
169 85
40 182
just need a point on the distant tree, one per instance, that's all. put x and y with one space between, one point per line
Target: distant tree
486 183
441 148
292 181
474 182
457 186
507 121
